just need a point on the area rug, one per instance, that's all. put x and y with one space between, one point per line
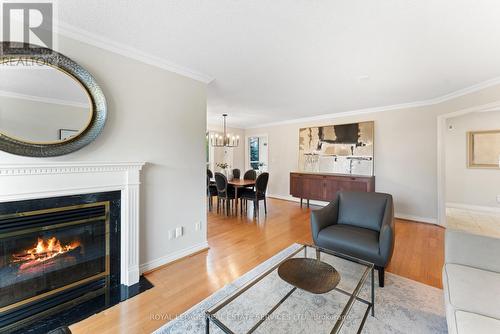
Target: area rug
402 306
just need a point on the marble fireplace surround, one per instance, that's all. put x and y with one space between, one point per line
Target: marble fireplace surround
43 180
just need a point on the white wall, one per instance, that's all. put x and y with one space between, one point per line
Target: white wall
154 116
405 151
470 186
39 121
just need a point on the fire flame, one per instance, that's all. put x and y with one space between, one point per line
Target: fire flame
43 251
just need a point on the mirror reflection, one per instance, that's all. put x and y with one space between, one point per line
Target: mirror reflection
41 104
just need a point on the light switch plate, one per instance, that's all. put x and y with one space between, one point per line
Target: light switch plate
178 232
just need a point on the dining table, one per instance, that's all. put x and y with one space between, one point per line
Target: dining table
238 184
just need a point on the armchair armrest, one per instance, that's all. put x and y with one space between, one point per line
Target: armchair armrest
472 250
324 217
387 235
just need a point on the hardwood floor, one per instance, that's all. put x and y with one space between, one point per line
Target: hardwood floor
238 244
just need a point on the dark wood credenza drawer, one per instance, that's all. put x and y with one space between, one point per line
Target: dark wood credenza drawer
324 187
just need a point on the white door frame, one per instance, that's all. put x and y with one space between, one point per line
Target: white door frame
247 149
441 151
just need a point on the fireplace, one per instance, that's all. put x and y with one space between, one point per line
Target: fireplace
56 253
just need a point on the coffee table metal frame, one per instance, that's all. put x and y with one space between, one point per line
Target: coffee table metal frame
210 314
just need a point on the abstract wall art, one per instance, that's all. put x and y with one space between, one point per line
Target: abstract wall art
342 149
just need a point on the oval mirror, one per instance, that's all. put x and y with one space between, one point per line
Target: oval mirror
42 104
49 105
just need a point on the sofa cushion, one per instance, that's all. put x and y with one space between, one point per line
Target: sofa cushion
358 242
474 323
472 290
361 209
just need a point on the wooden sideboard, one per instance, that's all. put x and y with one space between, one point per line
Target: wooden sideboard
324 187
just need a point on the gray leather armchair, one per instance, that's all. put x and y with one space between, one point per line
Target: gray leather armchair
358 224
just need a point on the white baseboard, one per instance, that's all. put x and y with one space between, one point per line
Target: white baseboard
148 266
397 214
473 207
416 218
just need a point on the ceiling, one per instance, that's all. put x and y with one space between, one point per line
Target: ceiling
284 59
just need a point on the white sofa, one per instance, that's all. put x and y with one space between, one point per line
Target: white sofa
471 282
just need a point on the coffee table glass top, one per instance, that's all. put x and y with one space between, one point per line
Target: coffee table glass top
268 304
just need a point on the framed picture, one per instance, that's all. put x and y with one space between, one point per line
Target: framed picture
341 148
65 134
484 149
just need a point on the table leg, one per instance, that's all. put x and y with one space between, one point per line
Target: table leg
301 202
308 203
207 324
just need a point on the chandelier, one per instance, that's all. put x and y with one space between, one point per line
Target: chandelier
226 139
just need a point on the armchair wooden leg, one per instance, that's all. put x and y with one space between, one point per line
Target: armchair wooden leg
381 278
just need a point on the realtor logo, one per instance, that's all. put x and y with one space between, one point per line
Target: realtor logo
30 23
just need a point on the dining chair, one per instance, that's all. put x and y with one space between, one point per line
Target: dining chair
257 195
225 194
211 193
236 173
210 174
250 174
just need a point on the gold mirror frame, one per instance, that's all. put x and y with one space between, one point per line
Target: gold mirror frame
472 150
12 52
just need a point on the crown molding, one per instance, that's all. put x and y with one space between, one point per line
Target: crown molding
50 100
101 42
416 104
44 168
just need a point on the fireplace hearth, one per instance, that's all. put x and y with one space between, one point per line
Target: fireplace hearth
57 254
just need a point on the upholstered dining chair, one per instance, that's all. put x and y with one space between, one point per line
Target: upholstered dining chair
250 175
211 193
236 173
357 224
225 194
257 195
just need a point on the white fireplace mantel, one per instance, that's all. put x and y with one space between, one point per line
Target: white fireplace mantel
51 179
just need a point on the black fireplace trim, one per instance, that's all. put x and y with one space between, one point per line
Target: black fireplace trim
98 288
86 309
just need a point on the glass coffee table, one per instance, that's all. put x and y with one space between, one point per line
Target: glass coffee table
268 304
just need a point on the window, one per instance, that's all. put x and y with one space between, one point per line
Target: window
253 144
257 153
